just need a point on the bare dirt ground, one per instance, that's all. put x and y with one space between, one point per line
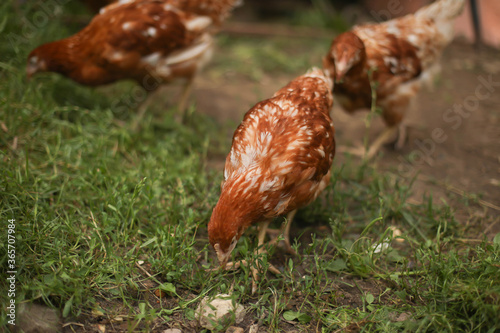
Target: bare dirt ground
453 143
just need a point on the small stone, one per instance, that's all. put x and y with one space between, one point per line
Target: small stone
254 328
398 317
38 318
219 310
405 316
235 329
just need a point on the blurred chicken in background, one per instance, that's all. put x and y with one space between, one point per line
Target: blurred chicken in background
383 65
149 41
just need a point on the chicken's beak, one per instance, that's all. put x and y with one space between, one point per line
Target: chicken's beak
34 66
222 256
342 66
30 70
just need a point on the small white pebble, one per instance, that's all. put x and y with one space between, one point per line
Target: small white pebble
379 248
218 309
235 329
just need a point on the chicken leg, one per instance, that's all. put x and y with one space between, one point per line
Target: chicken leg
182 104
260 249
263 229
385 137
285 231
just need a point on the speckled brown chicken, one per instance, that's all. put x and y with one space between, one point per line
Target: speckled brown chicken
149 41
391 59
279 161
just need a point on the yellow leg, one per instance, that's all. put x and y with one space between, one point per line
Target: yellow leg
141 111
381 140
285 230
260 249
402 136
262 232
374 148
182 106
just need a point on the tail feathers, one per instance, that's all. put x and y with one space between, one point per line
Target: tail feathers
441 10
443 13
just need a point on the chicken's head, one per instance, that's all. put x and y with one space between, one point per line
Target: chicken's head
51 57
223 235
224 252
36 63
225 228
347 51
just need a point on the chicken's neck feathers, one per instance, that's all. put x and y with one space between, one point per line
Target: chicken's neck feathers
230 218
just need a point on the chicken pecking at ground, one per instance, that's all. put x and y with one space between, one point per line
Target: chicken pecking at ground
390 60
279 161
149 41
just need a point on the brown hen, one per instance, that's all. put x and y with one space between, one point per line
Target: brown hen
149 41
279 161
390 61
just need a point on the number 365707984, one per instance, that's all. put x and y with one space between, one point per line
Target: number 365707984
11 240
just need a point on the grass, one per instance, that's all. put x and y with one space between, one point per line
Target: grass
111 222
